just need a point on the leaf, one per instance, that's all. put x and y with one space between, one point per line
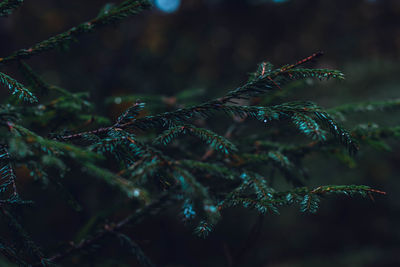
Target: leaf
131 113
203 229
309 203
17 89
341 134
7 6
309 126
216 141
7 175
321 74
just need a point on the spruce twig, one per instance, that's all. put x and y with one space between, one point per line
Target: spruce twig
260 84
125 9
8 6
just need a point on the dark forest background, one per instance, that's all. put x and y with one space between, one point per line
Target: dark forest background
209 46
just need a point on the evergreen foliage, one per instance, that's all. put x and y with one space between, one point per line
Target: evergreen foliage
167 159
7 6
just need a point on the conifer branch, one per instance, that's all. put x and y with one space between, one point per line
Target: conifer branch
126 186
8 6
243 186
130 153
320 74
216 141
16 88
363 132
112 16
307 198
370 134
52 146
309 126
262 81
85 158
386 105
209 168
276 157
7 176
343 136
41 87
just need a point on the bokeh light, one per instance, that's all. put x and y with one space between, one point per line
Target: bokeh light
168 6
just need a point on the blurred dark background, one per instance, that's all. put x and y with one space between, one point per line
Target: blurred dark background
212 45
